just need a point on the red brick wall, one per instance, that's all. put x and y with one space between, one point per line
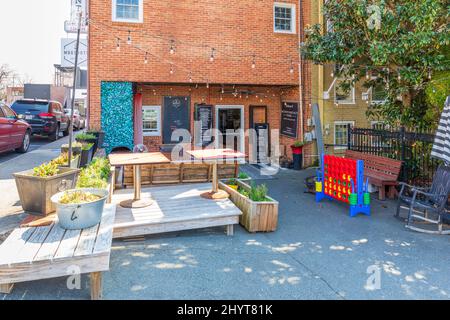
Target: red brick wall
237 29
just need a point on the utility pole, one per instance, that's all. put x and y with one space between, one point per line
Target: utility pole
80 13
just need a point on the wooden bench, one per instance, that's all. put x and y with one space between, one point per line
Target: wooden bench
49 252
382 172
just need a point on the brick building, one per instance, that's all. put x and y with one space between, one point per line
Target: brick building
157 65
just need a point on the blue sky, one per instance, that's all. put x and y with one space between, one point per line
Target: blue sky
30 35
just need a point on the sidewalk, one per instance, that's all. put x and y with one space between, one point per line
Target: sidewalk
10 206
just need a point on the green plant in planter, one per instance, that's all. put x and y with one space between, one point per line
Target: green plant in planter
86 146
232 182
258 193
75 144
95 175
85 137
299 143
243 176
45 170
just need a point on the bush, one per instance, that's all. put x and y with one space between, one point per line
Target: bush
95 175
256 193
49 169
84 136
243 175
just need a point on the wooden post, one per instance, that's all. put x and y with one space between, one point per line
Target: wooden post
230 230
215 178
6 288
96 286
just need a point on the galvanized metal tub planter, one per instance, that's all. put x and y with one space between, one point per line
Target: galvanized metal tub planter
83 215
256 216
35 192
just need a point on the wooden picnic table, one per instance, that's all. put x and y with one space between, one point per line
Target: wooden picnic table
50 252
136 160
214 156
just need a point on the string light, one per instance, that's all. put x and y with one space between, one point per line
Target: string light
129 37
211 58
291 69
332 74
172 47
367 74
207 85
430 75
171 69
146 58
190 77
254 62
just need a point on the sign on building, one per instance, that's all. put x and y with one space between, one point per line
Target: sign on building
68 48
71 26
289 119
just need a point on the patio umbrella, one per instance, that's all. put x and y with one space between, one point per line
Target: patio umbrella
441 146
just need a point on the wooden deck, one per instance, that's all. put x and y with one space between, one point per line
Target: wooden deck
175 208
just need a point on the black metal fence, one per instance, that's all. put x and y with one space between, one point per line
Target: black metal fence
412 148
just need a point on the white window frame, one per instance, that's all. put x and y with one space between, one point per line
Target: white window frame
353 98
158 132
375 101
139 20
293 17
335 123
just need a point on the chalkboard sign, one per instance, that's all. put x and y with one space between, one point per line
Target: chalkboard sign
204 119
289 119
176 116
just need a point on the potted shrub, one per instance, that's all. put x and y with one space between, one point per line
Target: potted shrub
87 152
259 211
242 176
297 154
76 147
63 159
100 136
38 185
87 138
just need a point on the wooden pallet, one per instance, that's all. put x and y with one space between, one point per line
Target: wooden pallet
175 208
49 252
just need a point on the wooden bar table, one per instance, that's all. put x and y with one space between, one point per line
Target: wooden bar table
136 160
213 156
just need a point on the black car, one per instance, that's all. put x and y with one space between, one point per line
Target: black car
46 118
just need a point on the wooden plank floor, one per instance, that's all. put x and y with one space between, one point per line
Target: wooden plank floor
175 208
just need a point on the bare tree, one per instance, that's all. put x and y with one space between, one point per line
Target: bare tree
5 74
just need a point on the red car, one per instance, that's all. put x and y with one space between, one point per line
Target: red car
15 134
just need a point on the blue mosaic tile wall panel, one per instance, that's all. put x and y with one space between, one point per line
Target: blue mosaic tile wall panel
117 114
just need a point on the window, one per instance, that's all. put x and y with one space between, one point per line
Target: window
341 133
343 95
127 10
284 17
8 112
379 125
151 120
378 94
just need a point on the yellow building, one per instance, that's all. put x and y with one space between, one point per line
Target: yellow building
337 108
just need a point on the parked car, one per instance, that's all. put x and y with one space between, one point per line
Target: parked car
15 134
78 120
46 118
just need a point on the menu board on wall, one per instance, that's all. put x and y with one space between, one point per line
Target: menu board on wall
204 125
289 119
176 116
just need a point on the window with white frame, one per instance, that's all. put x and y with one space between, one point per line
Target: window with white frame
343 95
341 133
151 120
284 17
127 10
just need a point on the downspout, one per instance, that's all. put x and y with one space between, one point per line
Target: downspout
300 68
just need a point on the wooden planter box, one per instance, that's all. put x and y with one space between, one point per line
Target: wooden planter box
35 192
179 172
256 216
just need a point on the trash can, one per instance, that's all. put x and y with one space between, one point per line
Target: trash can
297 154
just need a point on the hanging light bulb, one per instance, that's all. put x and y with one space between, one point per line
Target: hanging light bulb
172 47
207 85
118 44
223 90
430 74
171 69
129 37
399 77
291 69
332 74
190 77
254 62
146 58
211 58
367 74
